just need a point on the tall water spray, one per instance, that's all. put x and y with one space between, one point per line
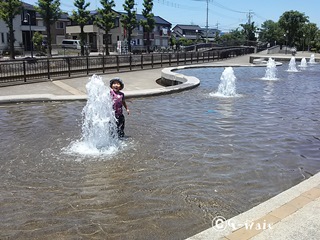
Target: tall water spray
227 86
271 70
99 134
312 59
292 65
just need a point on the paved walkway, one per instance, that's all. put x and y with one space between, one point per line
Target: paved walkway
293 214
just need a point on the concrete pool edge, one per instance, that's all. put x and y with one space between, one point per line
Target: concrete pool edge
290 208
71 92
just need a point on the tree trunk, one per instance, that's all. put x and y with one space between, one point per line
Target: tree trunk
107 44
49 50
82 39
148 42
11 36
129 41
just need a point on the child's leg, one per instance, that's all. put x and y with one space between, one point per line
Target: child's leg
120 125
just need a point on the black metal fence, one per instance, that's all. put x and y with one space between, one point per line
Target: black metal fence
44 69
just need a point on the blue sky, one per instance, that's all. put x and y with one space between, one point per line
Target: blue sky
224 14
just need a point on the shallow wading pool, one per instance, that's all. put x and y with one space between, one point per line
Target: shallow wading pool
187 158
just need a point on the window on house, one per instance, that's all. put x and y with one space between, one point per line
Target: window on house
59 25
116 22
2 37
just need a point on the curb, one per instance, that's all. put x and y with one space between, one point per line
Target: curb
184 83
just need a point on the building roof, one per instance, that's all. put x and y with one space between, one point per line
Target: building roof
27 6
188 27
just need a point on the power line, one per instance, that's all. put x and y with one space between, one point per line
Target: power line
225 8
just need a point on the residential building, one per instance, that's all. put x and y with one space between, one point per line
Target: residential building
26 24
58 30
191 32
97 38
194 32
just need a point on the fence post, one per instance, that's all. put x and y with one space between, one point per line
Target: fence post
103 63
69 66
87 58
197 56
48 68
141 61
130 61
178 60
185 58
152 60
117 59
170 59
24 72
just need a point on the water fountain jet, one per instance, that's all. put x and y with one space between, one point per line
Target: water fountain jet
312 59
99 132
303 63
227 86
271 70
292 65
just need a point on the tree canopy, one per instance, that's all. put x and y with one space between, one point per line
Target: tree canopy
106 19
291 23
129 20
148 23
81 16
50 12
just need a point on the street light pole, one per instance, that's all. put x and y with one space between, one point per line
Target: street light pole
286 36
30 33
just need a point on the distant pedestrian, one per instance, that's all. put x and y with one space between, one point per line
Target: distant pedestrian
119 102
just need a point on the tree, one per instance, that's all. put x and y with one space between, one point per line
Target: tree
148 23
129 20
317 41
249 31
37 40
235 38
309 31
81 17
50 12
8 10
291 22
270 32
106 19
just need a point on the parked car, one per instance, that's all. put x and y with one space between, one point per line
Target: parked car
71 43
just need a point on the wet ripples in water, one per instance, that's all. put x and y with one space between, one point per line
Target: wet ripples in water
189 158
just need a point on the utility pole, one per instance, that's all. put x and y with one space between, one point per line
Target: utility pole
250 16
207 22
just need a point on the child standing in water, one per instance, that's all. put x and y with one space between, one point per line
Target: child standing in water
116 85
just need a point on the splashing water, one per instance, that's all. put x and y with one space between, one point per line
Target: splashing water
312 59
227 86
303 63
99 131
271 70
292 65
